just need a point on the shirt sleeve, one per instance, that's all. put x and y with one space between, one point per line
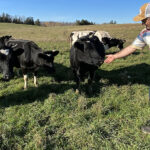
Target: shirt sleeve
138 43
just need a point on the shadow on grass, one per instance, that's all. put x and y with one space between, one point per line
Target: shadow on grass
136 74
62 73
32 94
42 92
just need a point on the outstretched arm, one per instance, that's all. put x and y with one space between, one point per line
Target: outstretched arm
125 52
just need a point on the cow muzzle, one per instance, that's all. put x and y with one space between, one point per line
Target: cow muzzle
7 77
101 62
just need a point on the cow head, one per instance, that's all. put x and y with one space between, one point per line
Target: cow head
3 41
90 50
7 58
47 59
6 64
110 42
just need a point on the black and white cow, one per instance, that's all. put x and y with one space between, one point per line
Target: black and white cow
74 36
7 57
86 55
110 42
26 55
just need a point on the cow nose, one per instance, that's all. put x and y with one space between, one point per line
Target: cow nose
6 78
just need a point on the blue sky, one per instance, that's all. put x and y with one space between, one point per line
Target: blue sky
98 11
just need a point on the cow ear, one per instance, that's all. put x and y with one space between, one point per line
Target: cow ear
8 36
18 51
105 40
54 53
79 46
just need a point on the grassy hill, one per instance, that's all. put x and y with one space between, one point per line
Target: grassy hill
52 116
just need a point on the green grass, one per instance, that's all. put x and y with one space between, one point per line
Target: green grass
52 116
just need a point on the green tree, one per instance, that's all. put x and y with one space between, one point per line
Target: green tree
37 22
84 22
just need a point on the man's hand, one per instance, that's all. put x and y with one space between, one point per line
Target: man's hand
109 58
125 52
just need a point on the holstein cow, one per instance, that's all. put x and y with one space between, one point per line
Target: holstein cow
86 55
100 34
27 56
110 42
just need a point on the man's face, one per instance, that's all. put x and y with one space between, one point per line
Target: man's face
146 22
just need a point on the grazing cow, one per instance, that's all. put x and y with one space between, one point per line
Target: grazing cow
100 34
86 55
110 42
27 56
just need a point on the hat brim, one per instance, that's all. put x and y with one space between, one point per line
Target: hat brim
138 18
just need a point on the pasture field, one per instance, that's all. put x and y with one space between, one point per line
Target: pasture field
53 117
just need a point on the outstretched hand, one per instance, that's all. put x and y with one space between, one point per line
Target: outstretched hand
109 59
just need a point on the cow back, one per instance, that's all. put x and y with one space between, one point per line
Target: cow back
101 34
30 50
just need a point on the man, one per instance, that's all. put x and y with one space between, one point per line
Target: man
140 42
142 39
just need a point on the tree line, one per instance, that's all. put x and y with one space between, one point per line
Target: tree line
84 22
30 21
18 20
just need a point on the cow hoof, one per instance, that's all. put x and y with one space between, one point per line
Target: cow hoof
36 85
25 88
5 80
77 91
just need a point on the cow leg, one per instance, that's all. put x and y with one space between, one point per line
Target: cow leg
91 77
25 81
35 79
25 76
77 79
11 72
90 80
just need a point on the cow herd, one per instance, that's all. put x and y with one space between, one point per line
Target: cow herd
87 53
